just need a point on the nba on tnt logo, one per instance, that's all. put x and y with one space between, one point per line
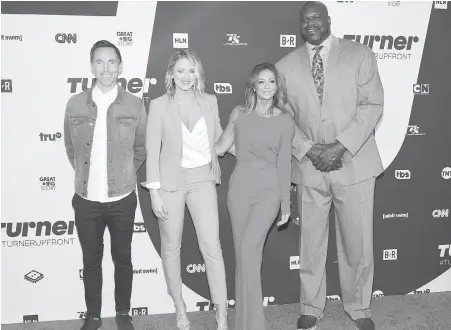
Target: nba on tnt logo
66 38
403 174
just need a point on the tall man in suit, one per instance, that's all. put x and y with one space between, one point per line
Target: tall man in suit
334 88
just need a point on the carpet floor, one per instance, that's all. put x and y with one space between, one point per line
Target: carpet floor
410 312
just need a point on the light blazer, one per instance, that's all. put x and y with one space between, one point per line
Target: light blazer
164 139
352 106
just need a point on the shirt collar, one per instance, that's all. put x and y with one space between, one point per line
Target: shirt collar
326 44
111 94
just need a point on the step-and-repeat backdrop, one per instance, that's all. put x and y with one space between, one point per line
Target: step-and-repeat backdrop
45 60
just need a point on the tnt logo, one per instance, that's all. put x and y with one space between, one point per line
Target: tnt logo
440 4
80 273
402 174
287 40
180 40
47 183
268 301
446 173
233 39
209 306
66 38
222 88
49 137
7 86
421 89
125 38
34 276
378 294
440 213
138 311
195 268
333 298
139 227
30 318
443 249
390 254
294 262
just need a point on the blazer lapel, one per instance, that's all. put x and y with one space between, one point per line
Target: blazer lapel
207 114
332 63
307 70
174 119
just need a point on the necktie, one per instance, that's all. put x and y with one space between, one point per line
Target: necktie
318 73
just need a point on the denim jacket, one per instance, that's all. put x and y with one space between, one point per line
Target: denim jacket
126 134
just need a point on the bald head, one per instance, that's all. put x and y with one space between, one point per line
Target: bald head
315 22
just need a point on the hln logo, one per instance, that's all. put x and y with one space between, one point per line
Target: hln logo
195 268
287 40
440 213
294 262
440 4
222 88
390 254
140 311
66 38
180 40
402 174
421 89
30 318
7 86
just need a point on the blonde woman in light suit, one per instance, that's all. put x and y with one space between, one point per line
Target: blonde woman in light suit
182 168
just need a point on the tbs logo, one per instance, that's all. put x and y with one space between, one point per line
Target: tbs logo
402 174
34 276
223 88
30 318
138 311
138 227
390 254
421 89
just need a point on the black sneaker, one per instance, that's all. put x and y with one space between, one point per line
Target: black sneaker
365 324
124 322
307 322
91 323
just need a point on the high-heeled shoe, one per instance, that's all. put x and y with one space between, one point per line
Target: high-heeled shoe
221 326
180 325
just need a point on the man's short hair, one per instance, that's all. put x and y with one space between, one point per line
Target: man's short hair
105 43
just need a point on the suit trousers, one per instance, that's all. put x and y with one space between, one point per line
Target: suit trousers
353 205
198 191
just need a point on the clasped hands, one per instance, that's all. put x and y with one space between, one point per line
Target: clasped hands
327 157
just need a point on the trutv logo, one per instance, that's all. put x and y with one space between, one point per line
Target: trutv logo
49 137
133 85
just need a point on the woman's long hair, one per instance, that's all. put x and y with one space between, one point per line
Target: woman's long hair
250 94
199 84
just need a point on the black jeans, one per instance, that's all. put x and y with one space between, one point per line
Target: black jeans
91 218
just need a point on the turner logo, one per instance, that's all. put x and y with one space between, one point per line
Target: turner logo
268 301
222 88
378 294
390 254
30 318
7 86
333 298
403 174
34 276
195 268
139 227
443 249
421 89
414 130
209 306
446 173
138 311
47 183
49 137
386 46
294 262
22 230
440 4
133 85
440 213
287 40
180 40
66 38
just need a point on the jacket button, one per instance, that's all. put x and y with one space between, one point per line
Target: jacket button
86 162
84 182
88 144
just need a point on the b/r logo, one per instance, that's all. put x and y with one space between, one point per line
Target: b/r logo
390 254
140 311
287 40
222 88
7 86
49 137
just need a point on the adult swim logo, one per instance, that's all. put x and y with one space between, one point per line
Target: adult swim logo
49 137
395 215
36 234
125 38
34 276
133 85
294 262
11 38
387 47
233 39
47 183
145 271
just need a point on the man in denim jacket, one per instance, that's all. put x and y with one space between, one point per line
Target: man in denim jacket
104 135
